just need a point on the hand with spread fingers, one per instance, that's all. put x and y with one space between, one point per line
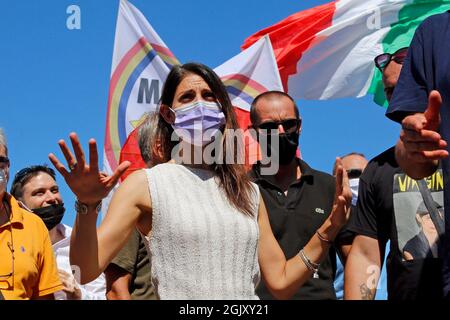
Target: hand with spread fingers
342 198
84 179
420 146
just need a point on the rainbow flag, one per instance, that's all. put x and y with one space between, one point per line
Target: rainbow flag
141 62
327 52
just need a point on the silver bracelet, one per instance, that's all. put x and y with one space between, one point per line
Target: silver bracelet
322 238
314 267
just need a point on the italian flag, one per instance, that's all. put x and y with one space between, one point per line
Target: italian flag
327 52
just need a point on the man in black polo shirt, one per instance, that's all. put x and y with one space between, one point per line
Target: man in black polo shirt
298 198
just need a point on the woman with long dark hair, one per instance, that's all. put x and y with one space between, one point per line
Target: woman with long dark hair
206 225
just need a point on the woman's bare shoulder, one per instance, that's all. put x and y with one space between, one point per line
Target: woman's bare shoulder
134 188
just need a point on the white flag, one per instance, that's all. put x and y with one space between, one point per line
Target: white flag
140 64
250 73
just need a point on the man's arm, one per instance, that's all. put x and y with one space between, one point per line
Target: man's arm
344 240
363 268
117 283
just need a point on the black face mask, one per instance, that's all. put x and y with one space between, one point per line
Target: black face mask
51 215
287 146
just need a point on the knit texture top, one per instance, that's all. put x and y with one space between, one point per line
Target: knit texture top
200 246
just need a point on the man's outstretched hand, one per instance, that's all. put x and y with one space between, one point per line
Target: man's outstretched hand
420 145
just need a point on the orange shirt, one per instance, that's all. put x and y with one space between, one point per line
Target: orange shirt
34 270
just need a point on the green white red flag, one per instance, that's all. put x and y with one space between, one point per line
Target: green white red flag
327 52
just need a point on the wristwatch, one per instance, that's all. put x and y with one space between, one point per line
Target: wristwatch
82 208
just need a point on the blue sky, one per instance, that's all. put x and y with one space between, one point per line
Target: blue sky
56 80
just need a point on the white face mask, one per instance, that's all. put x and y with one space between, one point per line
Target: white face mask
354 184
3 181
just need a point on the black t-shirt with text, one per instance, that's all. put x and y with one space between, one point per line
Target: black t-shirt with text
426 68
390 207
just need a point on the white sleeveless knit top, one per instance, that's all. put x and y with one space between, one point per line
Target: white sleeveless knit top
200 246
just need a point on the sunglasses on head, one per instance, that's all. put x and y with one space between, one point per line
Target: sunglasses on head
289 125
382 60
21 174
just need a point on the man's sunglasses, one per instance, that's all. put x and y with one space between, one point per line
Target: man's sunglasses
354 173
384 59
289 126
4 160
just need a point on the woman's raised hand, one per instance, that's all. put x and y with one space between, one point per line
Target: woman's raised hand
84 179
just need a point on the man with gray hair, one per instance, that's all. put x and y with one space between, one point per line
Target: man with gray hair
28 267
147 139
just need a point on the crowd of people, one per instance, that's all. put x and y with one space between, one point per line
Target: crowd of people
197 223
